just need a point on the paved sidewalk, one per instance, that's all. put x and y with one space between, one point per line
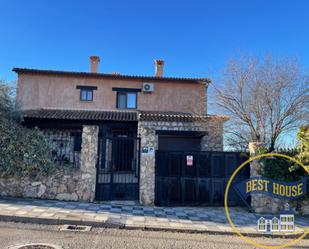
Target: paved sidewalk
194 219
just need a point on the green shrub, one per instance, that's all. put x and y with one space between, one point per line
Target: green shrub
284 170
23 151
279 169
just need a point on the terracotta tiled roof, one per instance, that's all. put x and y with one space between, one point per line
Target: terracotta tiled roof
117 115
81 115
166 116
111 76
175 116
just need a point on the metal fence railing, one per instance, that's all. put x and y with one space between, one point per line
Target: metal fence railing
65 147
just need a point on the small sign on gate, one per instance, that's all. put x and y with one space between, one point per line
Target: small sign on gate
189 160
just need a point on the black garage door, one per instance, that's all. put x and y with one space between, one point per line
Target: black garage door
179 143
179 140
196 178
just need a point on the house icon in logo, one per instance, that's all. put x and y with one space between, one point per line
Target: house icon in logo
284 222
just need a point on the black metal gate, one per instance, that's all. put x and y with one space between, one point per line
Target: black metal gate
197 178
118 169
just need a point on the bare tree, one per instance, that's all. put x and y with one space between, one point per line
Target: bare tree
264 98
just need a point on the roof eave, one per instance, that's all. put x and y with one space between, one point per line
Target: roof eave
110 76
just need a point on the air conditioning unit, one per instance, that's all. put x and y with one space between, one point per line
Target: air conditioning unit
148 87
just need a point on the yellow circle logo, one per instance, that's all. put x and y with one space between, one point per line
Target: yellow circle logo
227 209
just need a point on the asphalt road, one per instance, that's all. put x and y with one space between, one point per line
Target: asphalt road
19 233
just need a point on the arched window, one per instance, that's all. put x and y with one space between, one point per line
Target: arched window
275 224
261 224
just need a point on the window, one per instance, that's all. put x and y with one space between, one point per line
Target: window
77 141
65 147
121 100
86 95
275 224
131 100
290 219
126 97
275 228
86 92
261 224
127 100
287 222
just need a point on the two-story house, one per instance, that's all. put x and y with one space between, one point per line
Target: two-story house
128 119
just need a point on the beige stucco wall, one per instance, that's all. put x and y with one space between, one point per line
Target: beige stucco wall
49 91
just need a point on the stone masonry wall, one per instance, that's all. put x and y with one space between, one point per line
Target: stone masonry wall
74 184
86 185
265 204
261 203
213 141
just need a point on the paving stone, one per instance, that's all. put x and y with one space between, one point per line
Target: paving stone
70 206
101 218
149 209
47 214
127 208
39 210
115 210
138 208
21 212
176 224
186 221
93 208
137 212
136 218
162 220
12 208
182 218
89 214
84 205
105 207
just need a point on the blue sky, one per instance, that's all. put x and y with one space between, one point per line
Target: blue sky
195 38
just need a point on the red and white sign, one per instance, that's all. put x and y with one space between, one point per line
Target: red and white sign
189 160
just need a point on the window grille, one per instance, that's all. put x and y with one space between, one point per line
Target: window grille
65 147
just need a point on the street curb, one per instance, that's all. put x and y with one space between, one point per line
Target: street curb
53 221
117 225
217 232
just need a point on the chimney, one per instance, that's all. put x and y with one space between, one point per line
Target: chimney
94 63
159 67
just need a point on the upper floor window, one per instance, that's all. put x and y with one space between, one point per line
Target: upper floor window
86 95
86 92
126 98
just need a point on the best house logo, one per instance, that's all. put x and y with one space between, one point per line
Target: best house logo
258 187
281 190
284 222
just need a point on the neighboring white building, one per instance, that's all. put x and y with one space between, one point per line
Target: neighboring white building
282 223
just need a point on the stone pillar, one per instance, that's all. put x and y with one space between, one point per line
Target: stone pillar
255 166
261 203
147 165
87 181
213 141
